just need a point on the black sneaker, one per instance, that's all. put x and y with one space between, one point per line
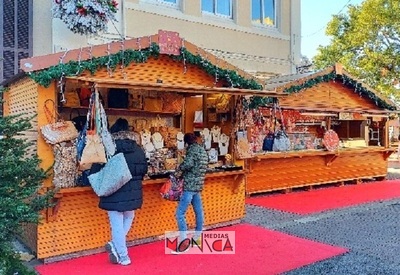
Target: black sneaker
182 248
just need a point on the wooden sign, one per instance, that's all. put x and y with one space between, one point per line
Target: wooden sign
169 42
350 116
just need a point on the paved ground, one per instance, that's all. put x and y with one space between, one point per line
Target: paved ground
370 231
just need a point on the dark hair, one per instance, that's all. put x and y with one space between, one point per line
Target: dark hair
189 138
120 125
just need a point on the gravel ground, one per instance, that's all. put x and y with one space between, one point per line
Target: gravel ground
371 233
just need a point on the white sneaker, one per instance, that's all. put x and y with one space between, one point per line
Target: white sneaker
112 253
124 261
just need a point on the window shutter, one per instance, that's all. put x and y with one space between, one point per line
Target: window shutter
16 33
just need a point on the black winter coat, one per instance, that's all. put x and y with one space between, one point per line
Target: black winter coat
130 196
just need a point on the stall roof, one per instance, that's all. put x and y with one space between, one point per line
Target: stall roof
297 83
45 69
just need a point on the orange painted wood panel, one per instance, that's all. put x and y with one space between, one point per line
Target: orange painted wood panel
80 225
328 95
281 173
45 150
163 68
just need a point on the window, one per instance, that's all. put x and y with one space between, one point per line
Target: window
164 2
263 12
15 35
218 7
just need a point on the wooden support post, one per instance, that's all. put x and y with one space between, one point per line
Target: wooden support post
237 182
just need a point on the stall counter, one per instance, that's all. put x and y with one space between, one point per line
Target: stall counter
76 226
286 170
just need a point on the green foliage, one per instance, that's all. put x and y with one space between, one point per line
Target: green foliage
74 67
310 83
232 78
366 41
126 57
20 179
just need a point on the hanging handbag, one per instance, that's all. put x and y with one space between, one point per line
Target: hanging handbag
111 177
56 132
106 136
281 142
268 142
172 189
94 151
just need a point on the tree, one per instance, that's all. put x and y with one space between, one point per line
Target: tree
20 180
366 41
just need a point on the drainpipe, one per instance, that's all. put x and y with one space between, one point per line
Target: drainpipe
292 38
123 25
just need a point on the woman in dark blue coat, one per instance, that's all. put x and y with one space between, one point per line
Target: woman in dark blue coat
120 205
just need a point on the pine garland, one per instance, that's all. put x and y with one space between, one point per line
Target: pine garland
309 83
348 82
74 68
364 92
128 56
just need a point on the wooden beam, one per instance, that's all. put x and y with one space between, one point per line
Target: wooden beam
143 86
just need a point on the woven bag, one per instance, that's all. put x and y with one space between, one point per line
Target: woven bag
65 169
94 150
56 132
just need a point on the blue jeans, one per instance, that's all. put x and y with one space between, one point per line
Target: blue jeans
188 198
120 223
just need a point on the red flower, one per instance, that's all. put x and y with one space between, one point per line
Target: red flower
82 11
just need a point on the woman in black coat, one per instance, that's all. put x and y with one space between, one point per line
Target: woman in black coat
120 205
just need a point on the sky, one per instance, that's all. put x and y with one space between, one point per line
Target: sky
315 15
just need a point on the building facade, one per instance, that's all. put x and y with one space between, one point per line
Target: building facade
262 37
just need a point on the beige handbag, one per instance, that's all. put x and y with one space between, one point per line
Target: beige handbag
93 152
56 132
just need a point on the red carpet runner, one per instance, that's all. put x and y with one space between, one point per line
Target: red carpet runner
258 251
318 200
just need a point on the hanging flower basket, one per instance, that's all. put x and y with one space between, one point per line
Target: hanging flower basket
85 16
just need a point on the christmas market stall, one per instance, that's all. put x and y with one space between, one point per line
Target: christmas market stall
164 86
331 128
